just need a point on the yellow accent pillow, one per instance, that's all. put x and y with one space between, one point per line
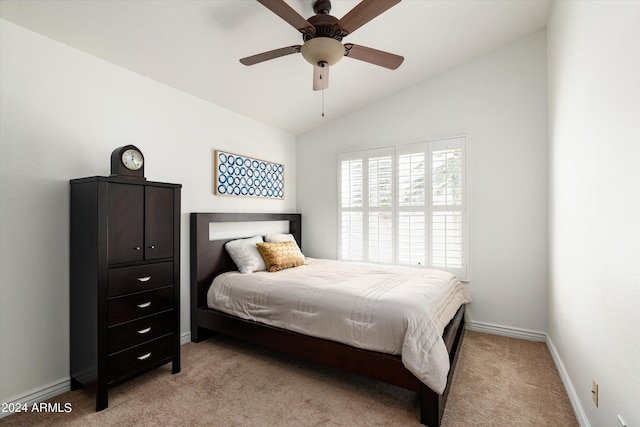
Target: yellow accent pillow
280 255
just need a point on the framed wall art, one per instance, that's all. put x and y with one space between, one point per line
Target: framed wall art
237 175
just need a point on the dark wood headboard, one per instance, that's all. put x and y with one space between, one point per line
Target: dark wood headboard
209 257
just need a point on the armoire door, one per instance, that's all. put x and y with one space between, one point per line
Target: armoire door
126 223
158 215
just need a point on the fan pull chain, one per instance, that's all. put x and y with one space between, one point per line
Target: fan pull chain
321 77
322 99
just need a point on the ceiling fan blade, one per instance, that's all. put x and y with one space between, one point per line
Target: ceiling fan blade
272 54
364 12
320 77
373 56
286 12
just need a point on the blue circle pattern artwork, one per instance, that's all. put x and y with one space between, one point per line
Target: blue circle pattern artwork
244 176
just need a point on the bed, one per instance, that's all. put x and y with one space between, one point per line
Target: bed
209 259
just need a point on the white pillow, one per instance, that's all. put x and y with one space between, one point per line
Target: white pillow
276 238
245 254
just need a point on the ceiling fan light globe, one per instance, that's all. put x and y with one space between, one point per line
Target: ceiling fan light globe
322 49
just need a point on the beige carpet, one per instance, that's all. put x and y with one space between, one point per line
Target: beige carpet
498 382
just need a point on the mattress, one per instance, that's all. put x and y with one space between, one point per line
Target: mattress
389 309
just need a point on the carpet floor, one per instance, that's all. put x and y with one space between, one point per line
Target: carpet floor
499 381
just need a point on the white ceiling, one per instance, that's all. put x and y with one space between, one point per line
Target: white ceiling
195 45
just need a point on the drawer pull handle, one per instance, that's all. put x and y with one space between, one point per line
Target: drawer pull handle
144 304
152 247
137 248
144 357
144 279
144 331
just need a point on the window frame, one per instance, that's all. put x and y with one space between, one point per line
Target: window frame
429 208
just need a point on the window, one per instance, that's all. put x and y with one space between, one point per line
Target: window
405 205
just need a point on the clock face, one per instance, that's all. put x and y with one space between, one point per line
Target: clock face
132 159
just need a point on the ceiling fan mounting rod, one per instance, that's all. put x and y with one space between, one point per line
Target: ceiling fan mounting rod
322 7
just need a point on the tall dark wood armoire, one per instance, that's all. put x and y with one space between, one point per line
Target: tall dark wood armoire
125 280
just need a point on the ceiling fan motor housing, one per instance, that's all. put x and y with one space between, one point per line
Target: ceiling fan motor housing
326 26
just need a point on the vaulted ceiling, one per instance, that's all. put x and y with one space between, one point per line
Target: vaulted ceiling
195 45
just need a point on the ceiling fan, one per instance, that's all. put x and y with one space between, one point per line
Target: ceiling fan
322 35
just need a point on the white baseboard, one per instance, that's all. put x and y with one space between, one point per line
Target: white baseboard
540 337
40 394
61 386
507 331
185 337
568 386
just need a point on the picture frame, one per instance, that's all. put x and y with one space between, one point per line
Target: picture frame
242 176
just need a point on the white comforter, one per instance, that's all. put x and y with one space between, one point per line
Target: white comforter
396 310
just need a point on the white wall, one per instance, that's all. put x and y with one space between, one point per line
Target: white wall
499 102
62 113
594 148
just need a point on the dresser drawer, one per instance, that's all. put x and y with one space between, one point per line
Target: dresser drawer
130 307
140 357
127 280
136 332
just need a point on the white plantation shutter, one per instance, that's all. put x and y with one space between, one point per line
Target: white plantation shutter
351 204
380 204
412 238
380 237
448 206
381 181
366 205
412 204
352 182
411 176
405 205
351 236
